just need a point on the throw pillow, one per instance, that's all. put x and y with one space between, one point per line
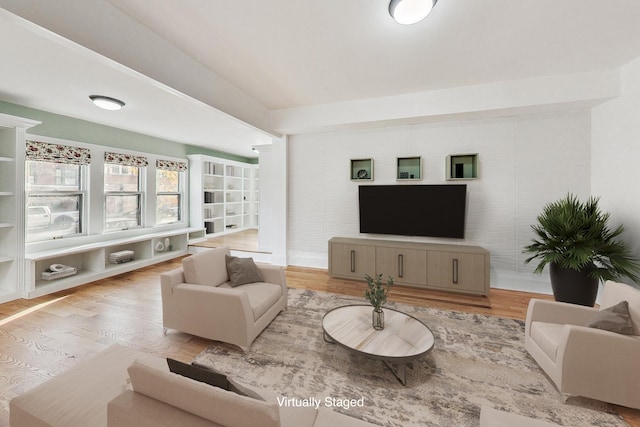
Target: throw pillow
242 271
210 376
615 319
232 384
215 379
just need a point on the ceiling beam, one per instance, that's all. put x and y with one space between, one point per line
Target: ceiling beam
527 96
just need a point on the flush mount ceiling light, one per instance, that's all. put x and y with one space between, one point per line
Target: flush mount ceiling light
408 12
106 102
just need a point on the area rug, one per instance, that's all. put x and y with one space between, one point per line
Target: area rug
477 361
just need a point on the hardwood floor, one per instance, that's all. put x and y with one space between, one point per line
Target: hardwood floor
41 338
246 240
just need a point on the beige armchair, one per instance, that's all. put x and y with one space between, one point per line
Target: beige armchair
198 299
584 361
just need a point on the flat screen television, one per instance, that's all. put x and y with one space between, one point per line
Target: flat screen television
413 210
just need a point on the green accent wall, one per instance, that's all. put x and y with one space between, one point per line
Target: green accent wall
64 127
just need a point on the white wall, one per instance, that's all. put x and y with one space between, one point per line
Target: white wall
272 234
616 153
524 162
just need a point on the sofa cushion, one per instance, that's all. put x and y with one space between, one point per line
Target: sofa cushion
547 336
242 271
614 319
130 409
328 418
211 403
206 268
291 416
262 296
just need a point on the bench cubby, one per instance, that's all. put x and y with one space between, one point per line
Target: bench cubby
91 261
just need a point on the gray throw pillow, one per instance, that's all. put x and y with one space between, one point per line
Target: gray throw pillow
197 373
242 271
210 376
231 384
615 319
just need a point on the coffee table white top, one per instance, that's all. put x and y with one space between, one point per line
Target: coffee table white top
403 338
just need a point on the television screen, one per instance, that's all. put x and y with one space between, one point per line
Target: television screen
413 210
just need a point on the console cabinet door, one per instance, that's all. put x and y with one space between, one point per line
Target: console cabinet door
463 272
354 261
408 266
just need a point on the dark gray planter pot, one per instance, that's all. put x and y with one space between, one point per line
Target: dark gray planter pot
573 286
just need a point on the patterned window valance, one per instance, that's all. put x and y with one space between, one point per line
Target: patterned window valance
57 153
125 159
171 165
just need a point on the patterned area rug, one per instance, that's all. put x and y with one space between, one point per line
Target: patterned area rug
477 360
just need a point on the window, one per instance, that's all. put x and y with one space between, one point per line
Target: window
55 190
123 191
169 188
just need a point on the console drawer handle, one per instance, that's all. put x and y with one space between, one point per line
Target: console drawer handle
455 270
353 261
400 266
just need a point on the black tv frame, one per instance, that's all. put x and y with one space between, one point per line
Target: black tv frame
436 210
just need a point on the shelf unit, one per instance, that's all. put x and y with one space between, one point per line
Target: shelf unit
252 198
8 214
224 194
361 169
12 154
409 168
91 261
462 167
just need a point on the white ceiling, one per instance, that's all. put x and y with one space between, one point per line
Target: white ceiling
291 54
44 71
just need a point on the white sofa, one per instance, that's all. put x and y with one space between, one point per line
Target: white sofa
584 361
98 393
198 299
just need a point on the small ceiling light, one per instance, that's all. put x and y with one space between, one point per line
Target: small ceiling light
106 102
408 12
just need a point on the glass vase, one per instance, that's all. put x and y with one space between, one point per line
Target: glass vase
378 319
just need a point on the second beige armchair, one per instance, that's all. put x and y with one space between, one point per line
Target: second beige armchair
198 299
585 361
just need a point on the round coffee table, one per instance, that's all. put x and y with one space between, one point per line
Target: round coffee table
403 339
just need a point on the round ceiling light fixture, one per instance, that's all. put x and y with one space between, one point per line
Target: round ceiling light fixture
407 12
106 102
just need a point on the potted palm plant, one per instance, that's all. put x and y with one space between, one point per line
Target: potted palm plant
377 293
575 240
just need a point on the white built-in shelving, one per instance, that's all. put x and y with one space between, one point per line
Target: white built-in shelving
91 260
224 194
12 154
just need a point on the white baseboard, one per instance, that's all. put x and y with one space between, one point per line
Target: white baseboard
11 296
279 259
520 281
308 259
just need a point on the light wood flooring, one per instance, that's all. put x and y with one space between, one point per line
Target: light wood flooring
42 337
246 240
